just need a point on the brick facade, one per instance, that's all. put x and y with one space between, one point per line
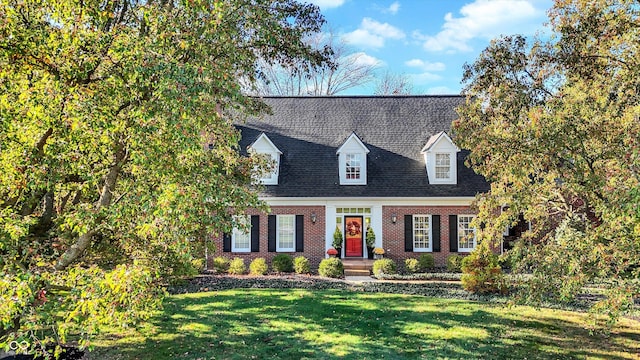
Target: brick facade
393 234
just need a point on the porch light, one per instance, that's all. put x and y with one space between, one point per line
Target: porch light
394 218
314 217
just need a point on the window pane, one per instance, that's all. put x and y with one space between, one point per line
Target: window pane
286 232
443 166
466 234
242 235
353 166
421 232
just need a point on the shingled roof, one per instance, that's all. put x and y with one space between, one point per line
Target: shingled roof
309 130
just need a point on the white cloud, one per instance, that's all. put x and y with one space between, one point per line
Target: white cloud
426 66
424 78
372 34
361 58
327 4
483 19
393 8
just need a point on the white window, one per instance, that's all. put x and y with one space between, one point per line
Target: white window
353 163
352 160
286 233
421 233
265 148
241 236
443 166
466 233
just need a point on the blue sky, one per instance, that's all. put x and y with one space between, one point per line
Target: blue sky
428 40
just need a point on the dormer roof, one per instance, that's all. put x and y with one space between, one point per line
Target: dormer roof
352 144
264 145
435 140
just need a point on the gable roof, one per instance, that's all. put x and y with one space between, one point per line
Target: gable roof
353 138
435 139
309 131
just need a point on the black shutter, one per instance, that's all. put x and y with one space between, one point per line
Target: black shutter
435 232
255 233
408 233
226 242
453 233
271 238
299 233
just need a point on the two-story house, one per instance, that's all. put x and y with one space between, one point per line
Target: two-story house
357 162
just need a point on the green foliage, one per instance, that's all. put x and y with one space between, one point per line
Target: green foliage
107 110
454 263
384 266
237 266
337 239
331 267
301 265
258 267
535 123
412 266
371 237
220 264
426 262
481 273
282 263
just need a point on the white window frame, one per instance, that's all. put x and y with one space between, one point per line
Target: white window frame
271 177
462 232
349 160
440 166
238 234
279 228
429 233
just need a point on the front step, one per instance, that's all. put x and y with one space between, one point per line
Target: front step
357 267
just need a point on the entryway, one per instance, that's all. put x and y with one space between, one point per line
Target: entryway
357 267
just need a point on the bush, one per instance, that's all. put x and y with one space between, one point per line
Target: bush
384 266
237 267
331 267
426 262
454 263
258 267
412 266
301 265
481 273
282 263
220 265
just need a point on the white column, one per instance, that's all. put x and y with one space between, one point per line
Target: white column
376 223
330 227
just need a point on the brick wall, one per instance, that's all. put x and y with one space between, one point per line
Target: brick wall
314 236
314 243
393 234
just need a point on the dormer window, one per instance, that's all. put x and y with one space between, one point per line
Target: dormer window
265 147
440 159
443 166
352 161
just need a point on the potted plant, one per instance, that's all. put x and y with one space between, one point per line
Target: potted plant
332 252
371 241
337 240
378 253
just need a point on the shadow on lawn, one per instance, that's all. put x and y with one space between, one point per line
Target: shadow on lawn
304 324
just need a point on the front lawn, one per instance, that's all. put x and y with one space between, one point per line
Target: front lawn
326 324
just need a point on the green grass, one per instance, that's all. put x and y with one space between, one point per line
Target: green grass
329 324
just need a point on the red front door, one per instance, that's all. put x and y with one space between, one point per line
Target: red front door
353 236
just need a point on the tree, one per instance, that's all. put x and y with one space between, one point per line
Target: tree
393 84
118 151
346 70
553 125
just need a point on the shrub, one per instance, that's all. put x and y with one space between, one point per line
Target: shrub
481 273
426 262
384 266
454 263
331 267
301 265
220 265
282 263
258 267
412 266
237 266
